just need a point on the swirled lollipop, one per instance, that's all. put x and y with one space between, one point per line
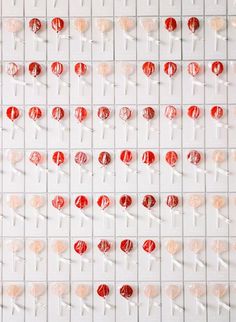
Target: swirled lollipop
126 291
125 202
104 159
194 69
149 246
170 69
171 26
148 159
12 69
81 203
125 115
59 202
217 113
103 292
171 114
217 69
57 69
149 68
81 159
193 25
35 26
148 202
104 247
58 158
13 114
126 246
58 25
172 159
35 114
81 247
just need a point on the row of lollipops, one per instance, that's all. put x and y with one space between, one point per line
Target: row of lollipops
104 70
126 114
105 202
148 294
127 25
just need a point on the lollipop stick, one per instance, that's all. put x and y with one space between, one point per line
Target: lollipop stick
126 174
103 87
170 43
216 41
81 3
125 2
57 42
54 3
58 86
126 131
170 86
13 131
14 40
148 2
125 42
148 306
125 85
148 130
193 87
35 3
128 307
194 130
15 89
102 130
148 86
103 41
103 2
103 174
193 42
172 3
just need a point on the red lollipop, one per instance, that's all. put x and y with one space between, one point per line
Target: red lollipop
193 69
126 246
81 202
126 291
103 202
171 158
170 24
12 113
172 201
193 112
58 113
81 113
103 290
193 24
103 113
35 157
126 156
58 158
80 247
58 202
170 112
125 201
80 69
148 157
104 246
35 113
194 157
148 68
217 112
57 68
35 25
217 68
57 24
149 201
104 158
125 113
35 69
149 246
148 113
170 68
81 158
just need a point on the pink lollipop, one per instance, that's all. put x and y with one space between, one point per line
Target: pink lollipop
36 158
83 291
12 69
171 114
14 26
103 114
37 202
125 114
81 115
57 69
103 203
81 158
151 291
58 203
194 157
172 202
104 247
61 290
193 70
126 24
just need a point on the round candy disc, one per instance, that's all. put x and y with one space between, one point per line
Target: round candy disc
125 201
126 291
80 247
103 113
12 69
126 156
171 158
193 24
103 202
170 68
170 24
194 157
148 113
126 245
193 69
217 68
170 112
58 202
58 113
81 158
12 113
81 24
148 157
172 201
81 113
34 69
104 158
103 290
35 25
149 246
58 157
57 68
80 69
104 246
217 112
57 24
35 113
149 201
81 202
35 157
125 113
193 112
148 68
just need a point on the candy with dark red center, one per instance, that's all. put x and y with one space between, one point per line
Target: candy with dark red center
81 158
170 24
149 201
193 68
103 290
148 68
58 113
58 202
193 112
148 157
80 247
81 113
148 113
35 113
12 113
171 158
125 201
126 291
125 113
104 246
170 68
35 69
57 68
149 246
104 158
103 202
57 24
80 69
103 113
172 201
126 156
12 69
35 25
170 112
193 24
81 202
217 68
58 158
194 157
126 245
35 157
217 112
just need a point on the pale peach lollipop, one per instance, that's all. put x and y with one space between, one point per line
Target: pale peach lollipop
14 26
219 291
173 247
37 289
60 290
149 25
197 246
14 157
233 22
105 70
195 201
219 156
59 247
172 292
197 290
126 24
104 26
37 202
151 291
218 202
217 24
82 291
82 25
37 246
14 202
127 70
219 247
15 246
14 291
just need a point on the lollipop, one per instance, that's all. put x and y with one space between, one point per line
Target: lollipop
125 202
149 114
198 290
126 291
126 24
219 247
103 203
35 26
14 26
58 26
81 70
217 24
103 291
170 68
126 246
15 246
103 114
104 247
149 69
58 158
59 247
81 158
219 157
149 247
37 202
217 113
36 158
125 115
171 114
172 158
35 70
14 291
219 291
150 26
195 202
13 114
217 69
193 26
37 290
105 70
171 26
148 203
127 71
173 247
81 115
148 158
197 246
218 202
194 158
104 26
104 158
80 248
194 112
58 203
35 114
57 70
15 202
12 69
126 157
82 25
193 70
61 290
58 115
82 202
37 247
83 291
172 201
151 292
14 157
173 292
